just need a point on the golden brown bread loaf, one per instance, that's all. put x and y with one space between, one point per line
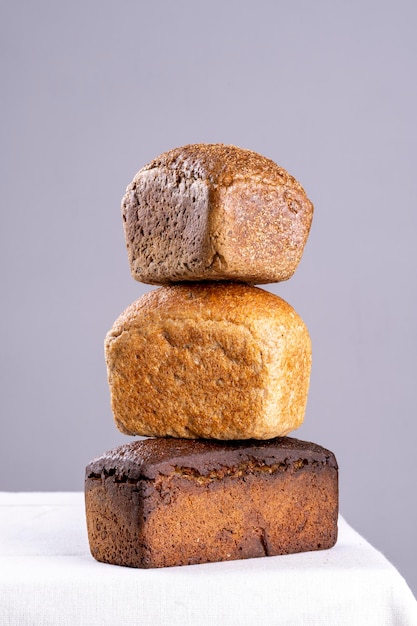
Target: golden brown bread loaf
212 360
163 502
214 212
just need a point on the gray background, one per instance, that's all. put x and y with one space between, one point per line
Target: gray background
91 91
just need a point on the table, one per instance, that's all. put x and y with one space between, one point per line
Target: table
47 577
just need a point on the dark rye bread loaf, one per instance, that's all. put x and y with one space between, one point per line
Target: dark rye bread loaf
164 502
214 212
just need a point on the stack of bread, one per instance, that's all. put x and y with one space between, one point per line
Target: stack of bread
212 372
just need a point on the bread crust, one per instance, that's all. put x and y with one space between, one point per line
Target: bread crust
214 212
213 360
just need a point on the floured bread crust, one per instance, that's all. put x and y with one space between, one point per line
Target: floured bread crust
214 212
211 360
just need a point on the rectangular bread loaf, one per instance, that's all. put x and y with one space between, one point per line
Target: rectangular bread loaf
214 212
165 502
212 361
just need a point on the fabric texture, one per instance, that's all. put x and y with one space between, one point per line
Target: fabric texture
48 577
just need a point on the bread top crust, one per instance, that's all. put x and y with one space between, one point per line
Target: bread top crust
151 457
225 301
221 164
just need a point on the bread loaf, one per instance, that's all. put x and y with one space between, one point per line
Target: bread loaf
214 212
211 360
163 502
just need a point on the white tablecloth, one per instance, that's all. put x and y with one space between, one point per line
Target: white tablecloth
47 576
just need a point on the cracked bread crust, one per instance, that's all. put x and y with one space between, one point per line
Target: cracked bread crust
165 502
214 212
211 360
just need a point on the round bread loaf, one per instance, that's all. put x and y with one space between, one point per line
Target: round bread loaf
214 212
213 360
